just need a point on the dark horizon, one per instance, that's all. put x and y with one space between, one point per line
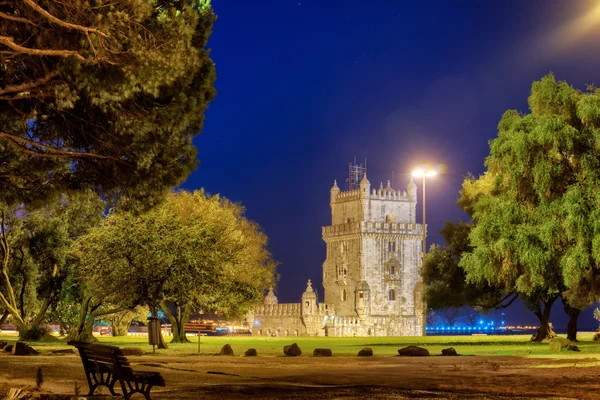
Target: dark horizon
304 87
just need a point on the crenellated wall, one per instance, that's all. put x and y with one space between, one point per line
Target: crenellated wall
281 309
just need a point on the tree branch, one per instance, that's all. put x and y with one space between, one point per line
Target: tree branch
22 144
60 22
30 85
9 42
17 19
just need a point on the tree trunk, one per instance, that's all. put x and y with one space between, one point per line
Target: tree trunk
573 314
544 331
177 321
161 340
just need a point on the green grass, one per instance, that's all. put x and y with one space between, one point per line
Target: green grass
517 345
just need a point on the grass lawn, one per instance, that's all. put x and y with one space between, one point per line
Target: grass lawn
516 345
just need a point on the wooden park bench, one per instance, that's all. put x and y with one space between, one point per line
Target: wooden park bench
105 365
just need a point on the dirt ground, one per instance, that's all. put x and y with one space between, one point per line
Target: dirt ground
434 377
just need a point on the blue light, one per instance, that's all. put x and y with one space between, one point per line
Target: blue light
480 321
256 322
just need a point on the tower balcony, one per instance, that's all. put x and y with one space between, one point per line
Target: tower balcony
395 277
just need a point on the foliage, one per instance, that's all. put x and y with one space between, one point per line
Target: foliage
597 314
536 208
445 281
101 94
35 246
193 249
35 333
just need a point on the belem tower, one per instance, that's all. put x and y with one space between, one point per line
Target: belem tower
371 274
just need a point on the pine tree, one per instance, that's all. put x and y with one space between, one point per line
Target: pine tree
101 94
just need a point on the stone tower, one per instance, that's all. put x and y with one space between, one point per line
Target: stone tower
371 273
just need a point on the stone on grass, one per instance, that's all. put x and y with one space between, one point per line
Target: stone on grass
557 344
449 352
251 353
8 348
596 336
292 350
366 352
322 353
132 351
413 351
3 344
572 347
23 349
226 350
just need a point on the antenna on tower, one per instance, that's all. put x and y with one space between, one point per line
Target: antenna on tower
355 173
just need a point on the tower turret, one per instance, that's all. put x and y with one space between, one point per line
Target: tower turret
335 190
309 300
365 187
270 298
411 190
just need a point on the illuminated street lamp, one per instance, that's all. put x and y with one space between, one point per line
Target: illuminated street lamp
424 173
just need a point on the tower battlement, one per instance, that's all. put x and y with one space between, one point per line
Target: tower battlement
281 309
372 227
376 194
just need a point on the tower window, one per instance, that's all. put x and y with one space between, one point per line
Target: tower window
389 247
394 246
392 270
344 295
360 295
392 295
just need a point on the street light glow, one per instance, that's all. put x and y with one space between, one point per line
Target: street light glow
425 172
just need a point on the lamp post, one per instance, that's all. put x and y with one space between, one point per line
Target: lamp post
424 173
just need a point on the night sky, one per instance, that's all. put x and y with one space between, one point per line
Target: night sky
306 86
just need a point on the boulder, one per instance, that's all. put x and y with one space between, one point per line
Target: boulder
8 348
3 344
226 350
23 349
572 347
413 351
557 344
251 353
366 352
292 350
596 336
449 352
322 353
132 351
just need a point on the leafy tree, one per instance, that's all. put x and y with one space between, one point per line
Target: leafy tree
120 321
101 94
536 208
35 247
445 280
192 251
